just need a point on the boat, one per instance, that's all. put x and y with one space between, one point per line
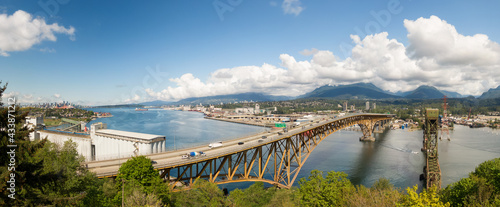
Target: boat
138 109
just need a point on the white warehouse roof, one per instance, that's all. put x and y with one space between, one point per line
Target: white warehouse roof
132 136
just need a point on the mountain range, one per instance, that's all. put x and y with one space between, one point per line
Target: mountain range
351 91
492 93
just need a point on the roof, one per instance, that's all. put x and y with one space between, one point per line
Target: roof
129 135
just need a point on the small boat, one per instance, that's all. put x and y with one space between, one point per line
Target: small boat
138 109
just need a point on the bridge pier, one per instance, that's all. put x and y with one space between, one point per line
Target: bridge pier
367 127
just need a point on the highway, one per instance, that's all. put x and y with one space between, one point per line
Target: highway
109 168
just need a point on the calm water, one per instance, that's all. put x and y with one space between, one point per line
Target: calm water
390 156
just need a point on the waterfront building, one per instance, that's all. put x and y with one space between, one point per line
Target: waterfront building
367 106
102 143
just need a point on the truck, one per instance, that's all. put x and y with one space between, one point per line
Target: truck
196 154
215 144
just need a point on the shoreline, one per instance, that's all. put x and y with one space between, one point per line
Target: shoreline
269 125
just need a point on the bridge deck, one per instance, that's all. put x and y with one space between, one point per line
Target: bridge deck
172 159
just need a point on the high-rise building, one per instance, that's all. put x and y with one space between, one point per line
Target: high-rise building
367 106
374 106
345 106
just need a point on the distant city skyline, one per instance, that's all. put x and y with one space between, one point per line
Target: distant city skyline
101 53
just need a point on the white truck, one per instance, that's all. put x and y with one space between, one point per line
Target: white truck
215 144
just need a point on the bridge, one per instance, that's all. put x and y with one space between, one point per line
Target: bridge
432 170
270 157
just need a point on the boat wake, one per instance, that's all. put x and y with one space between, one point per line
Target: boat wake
401 149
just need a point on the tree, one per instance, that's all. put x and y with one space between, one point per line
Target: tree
382 195
139 172
428 197
202 193
69 179
22 168
490 170
481 187
255 195
317 190
283 198
382 184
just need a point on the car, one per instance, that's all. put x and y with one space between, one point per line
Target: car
153 162
279 133
260 140
263 137
241 143
203 154
185 156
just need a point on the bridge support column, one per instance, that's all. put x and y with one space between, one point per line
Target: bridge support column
367 128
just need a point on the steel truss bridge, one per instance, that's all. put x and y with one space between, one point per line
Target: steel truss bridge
272 159
432 170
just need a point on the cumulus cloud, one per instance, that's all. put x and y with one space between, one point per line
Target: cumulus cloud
465 64
20 31
23 98
435 39
133 99
57 95
292 7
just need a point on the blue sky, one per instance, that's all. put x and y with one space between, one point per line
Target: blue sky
110 52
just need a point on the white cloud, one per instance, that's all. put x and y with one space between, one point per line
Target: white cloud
292 7
20 31
310 52
57 95
436 39
385 62
133 99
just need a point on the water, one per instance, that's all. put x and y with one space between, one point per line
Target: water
182 129
393 155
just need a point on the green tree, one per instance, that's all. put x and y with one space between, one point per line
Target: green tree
139 171
283 198
382 184
255 195
480 188
317 190
69 179
202 193
428 197
25 172
382 195
490 170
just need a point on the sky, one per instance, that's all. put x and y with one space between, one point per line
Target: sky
115 52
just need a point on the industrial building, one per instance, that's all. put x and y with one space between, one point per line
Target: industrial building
102 143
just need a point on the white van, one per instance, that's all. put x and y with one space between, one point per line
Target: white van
215 144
